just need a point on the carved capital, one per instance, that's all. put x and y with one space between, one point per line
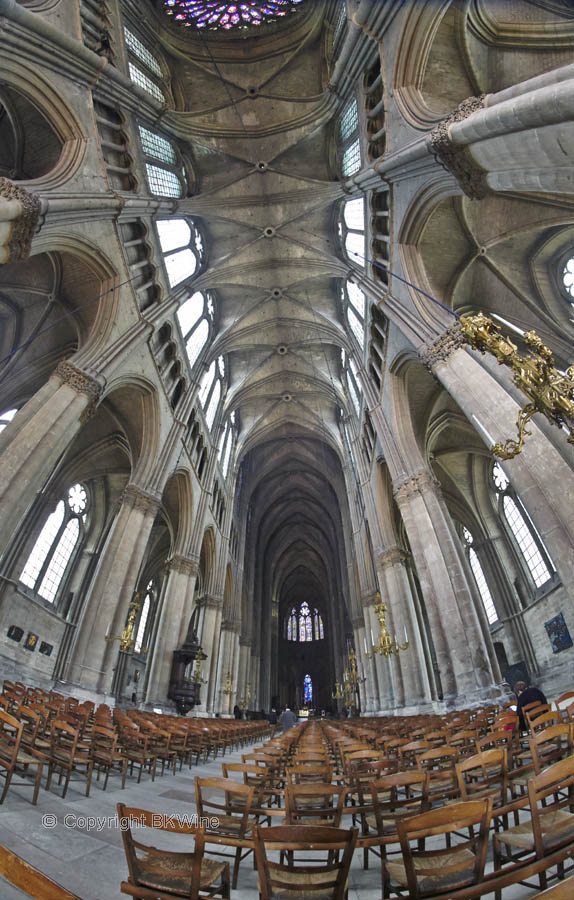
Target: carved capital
231 626
71 375
140 499
456 159
19 215
184 564
444 346
416 484
394 556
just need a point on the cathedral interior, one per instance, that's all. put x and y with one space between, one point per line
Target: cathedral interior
238 404
275 430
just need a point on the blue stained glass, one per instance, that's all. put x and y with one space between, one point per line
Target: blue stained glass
225 16
308 689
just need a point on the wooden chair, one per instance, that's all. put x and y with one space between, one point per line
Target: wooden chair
429 871
563 702
228 803
303 774
168 874
550 745
564 890
106 755
551 799
15 760
29 880
65 758
314 804
135 746
485 775
325 878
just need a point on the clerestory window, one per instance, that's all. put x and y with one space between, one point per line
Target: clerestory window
352 231
60 537
6 418
163 168
144 67
480 578
304 625
195 318
348 139
211 389
182 248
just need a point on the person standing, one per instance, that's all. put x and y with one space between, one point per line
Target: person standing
287 719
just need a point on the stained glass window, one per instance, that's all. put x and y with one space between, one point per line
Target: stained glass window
51 554
225 16
304 626
348 139
157 146
141 79
141 52
7 417
289 629
308 689
144 615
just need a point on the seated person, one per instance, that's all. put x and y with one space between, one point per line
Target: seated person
525 696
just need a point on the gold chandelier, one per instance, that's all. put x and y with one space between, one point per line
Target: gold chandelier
551 392
386 645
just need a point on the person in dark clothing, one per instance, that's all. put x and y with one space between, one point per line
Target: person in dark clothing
272 717
237 712
287 719
525 696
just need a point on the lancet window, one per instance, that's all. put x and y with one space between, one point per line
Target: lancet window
349 144
355 308
6 418
304 624
352 231
226 444
480 578
195 318
211 389
182 248
163 168
49 561
144 623
144 66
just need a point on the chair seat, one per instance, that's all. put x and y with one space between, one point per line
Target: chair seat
173 873
555 826
26 759
464 859
231 825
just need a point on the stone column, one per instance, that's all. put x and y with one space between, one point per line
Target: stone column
19 217
464 659
243 668
392 573
539 474
32 444
209 638
178 598
227 642
106 605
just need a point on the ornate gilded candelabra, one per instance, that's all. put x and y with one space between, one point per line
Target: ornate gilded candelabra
551 392
228 686
127 638
338 695
196 677
351 673
386 645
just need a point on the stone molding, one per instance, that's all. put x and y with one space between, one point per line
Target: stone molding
184 565
394 556
20 211
79 381
140 499
456 159
442 349
420 483
210 601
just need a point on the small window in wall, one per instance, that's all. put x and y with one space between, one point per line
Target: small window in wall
144 619
210 390
352 230
60 537
307 689
195 317
226 443
181 257
355 304
349 144
532 550
164 172
568 277
144 67
480 578
353 388
6 418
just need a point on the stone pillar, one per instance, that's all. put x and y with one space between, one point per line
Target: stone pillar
393 575
243 668
464 659
19 216
32 444
539 474
106 605
209 639
227 647
177 599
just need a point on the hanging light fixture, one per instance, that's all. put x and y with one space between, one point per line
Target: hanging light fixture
386 645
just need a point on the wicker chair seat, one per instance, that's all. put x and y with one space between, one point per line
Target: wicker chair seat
232 825
463 859
173 872
556 825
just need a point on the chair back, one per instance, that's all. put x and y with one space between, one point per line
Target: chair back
316 804
64 741
327 878
564 701
226 800
484 775
430 870
303 774
169 871
551 801
397 795
10 737
551 744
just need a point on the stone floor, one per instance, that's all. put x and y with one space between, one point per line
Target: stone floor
89 860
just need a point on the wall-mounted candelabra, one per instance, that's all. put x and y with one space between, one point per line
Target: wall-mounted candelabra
386 645
127 638
228 686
